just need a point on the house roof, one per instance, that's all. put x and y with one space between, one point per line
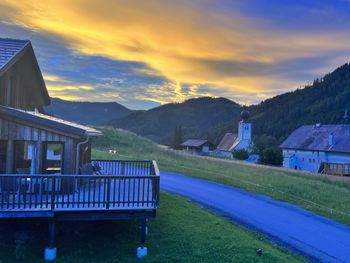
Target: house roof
316 138
12 50
9 49
195 143
228 142
48 121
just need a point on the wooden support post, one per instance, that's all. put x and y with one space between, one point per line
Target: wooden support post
141 251
10 154
143 231
51 251
52 233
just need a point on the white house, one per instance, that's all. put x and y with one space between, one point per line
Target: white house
319 149
231 142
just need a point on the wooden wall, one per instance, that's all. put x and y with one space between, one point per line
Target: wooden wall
25 85
11 131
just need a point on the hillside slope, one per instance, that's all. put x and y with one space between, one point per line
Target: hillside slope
194 116
86 112
322 102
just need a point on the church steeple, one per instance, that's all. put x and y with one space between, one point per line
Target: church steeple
245 127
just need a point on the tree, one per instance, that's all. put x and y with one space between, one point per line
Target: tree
177 139
272 156
268 149
241 154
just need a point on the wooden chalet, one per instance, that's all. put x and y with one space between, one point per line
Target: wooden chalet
46 170
197 147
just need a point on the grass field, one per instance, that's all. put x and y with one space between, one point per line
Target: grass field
175 235
327 196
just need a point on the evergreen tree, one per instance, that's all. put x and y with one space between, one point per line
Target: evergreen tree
177 139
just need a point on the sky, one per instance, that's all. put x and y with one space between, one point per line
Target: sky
143 53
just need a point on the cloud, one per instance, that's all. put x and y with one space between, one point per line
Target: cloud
245 50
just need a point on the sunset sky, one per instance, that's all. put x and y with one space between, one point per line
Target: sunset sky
142 53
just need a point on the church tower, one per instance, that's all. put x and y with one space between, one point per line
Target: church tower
244 132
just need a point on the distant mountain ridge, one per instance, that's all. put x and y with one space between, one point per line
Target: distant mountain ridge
193 115
87 112
210 118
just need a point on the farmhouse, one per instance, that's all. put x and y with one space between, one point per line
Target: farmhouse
319 149
46 170
198 147
231 142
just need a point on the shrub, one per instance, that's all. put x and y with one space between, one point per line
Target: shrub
241 154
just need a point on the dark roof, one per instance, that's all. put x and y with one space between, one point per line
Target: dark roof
48 121
195 143
227 143
9 49
316 138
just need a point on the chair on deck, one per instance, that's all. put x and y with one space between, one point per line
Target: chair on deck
87 169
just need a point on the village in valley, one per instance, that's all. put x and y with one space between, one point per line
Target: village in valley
123 144
318 148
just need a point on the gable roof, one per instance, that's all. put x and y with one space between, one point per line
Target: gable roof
228 142
12 50
48 121
195 143
316 138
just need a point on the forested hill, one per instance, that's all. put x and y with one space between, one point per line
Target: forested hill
194 116
322 102
86 112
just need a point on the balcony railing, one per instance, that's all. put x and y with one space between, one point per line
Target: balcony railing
122 185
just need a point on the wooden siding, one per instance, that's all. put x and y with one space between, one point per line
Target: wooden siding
336 168
11 131
25 85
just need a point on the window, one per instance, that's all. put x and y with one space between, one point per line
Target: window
25 157
3 150
53 158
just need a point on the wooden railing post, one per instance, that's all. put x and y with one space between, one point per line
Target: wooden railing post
53 189
122 168
108 192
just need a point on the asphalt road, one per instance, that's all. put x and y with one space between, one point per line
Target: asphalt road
316 237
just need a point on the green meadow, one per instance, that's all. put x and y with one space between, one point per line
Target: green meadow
324 195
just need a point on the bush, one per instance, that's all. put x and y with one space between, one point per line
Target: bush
268 149
241 154
272 156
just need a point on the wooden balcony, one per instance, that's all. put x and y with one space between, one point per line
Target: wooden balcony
122 187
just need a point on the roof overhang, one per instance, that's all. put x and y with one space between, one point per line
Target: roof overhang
45 121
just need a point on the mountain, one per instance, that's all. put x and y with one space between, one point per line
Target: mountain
87 112
194 116
322 102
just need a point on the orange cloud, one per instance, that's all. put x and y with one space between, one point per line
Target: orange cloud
179 39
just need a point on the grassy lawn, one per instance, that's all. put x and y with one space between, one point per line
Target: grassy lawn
181 232
324 195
